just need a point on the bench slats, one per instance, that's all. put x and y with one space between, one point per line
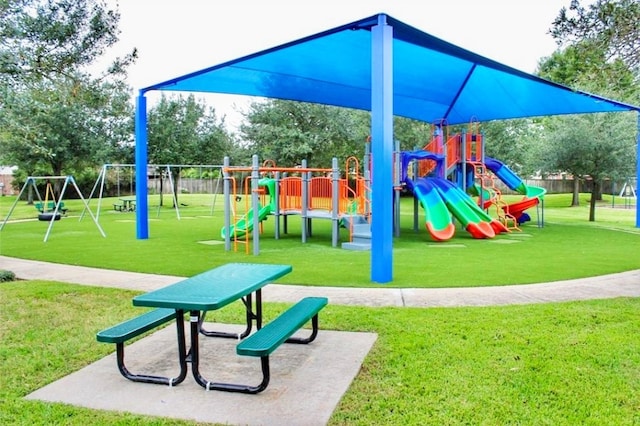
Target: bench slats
272 335
135 326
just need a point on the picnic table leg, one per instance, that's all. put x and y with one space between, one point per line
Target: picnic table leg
182 347
208 385
251 315
145 378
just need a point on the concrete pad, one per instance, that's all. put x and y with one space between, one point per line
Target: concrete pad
307 381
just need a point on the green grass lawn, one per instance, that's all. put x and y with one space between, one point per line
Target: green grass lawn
555 364
544 364
568 246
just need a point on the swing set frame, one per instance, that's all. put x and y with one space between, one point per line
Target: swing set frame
100 183
51 217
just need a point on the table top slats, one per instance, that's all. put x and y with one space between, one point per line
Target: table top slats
215 288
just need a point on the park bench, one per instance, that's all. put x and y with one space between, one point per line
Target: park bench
266 340
134 327
118 207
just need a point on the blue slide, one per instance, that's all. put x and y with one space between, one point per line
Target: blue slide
506 175
532 194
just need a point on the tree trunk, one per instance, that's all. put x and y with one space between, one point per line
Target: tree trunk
575 201
175 176
161 187
30 195
592 203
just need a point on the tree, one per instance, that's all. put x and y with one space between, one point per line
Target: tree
411 134
289 131
608 26
599 52
184 131
514 143
585 67
591 146
56 118
41 38
63 124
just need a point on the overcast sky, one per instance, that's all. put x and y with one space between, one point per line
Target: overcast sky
175 37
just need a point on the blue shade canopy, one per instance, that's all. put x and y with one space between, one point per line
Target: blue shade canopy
432 80
384 66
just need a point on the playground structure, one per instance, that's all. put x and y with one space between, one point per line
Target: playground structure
443 176
51 211
310 193
447 170
160 172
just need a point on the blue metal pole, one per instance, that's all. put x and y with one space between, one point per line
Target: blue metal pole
142 217
382 151
638 172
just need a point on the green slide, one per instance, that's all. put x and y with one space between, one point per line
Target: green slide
245 224
470 216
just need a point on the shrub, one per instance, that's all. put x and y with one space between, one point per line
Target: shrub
6 276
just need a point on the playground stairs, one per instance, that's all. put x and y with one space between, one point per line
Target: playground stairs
486 179
360 231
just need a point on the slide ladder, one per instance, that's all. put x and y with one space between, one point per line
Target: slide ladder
485 179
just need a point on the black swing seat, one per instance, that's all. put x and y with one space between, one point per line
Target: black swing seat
47 217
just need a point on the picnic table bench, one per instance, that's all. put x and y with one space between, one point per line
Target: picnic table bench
266 340
126 330
209 291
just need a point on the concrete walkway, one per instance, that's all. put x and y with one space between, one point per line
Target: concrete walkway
602 287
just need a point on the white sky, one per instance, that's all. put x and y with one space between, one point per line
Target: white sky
176 37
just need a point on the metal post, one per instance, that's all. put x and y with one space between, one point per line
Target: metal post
335 219
382 150
86 205
277 204
305 202
13 206
638 172
227 205
142 205
255 201
396 189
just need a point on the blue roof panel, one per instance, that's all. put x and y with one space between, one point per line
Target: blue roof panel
433 80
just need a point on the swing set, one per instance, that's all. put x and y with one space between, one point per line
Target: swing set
51 210
164 171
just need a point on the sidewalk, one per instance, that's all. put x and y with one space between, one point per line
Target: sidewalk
602 287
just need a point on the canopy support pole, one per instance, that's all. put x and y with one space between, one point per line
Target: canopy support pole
142 205
638 172
382 151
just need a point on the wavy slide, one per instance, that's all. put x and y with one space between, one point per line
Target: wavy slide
466 211
437 216
532 194
441 199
